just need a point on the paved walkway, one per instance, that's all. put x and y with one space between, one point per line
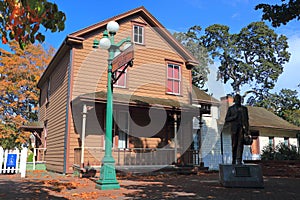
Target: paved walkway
41 185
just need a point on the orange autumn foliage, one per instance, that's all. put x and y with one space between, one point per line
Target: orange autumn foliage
20 71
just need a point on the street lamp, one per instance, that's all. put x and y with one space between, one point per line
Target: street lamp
108 180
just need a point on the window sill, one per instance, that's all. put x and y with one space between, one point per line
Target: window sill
140 44
173 94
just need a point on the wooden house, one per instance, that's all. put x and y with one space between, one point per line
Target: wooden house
153 100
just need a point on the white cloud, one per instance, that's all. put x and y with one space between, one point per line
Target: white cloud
290 78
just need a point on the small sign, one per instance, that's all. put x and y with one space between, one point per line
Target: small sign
242 171
11 160
123 58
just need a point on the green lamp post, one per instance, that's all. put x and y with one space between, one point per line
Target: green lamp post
108 180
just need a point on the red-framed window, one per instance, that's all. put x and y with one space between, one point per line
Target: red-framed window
138 34
173 79
121 82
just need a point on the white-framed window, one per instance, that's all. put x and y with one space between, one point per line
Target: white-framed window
48 91
45 133
173 79
123 124
138 34
271 142
286 141
121 82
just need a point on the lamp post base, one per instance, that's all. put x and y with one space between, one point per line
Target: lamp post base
108 179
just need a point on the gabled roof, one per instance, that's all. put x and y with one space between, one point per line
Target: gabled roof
266 122
142 11
77 38
261 117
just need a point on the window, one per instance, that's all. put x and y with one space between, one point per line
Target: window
173 79
123 130
121 82
48 92
271 141
286 141
138 34
45 133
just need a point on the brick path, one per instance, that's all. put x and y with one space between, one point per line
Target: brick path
41 185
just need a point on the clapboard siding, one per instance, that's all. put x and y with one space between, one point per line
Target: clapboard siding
55 114
146 78
42 108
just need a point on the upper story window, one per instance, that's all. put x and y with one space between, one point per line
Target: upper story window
138 34
121 82
48 91
173 79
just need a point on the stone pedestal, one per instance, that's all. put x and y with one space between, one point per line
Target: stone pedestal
247 176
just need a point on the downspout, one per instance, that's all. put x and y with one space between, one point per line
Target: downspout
84 112
66 148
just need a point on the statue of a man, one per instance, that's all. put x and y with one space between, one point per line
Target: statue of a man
237 116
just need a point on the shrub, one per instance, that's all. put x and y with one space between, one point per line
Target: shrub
280 152
30 157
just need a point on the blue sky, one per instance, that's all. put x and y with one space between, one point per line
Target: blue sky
179 15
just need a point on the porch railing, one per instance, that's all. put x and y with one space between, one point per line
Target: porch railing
136 156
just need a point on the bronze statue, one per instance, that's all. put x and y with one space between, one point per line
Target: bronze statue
237 116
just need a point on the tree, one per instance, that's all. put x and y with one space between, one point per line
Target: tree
284 104
20 71
191 41
253 57
280 14
21 20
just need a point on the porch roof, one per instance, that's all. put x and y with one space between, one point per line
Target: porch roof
201 97
135 100
32 126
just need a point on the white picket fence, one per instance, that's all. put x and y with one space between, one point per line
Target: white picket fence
13 161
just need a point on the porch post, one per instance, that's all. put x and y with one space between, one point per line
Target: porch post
175 138
84 112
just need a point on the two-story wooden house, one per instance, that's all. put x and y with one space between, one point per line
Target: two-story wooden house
152 100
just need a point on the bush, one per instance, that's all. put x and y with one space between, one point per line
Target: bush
30 157
280 152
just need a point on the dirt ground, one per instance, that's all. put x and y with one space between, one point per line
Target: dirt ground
46 185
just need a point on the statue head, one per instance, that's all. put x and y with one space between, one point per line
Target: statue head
237 99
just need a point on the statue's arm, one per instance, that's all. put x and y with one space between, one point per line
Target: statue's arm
230 116
246 122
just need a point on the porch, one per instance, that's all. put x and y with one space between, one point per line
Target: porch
131 159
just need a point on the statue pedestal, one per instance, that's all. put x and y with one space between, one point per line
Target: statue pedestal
246 176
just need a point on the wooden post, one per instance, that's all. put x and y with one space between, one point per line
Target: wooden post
84 112
23 161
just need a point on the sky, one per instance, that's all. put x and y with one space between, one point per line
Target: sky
179 15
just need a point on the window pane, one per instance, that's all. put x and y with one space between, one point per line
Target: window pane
135 38
136 30
176 87
170 71
176 72
121 81
170 86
